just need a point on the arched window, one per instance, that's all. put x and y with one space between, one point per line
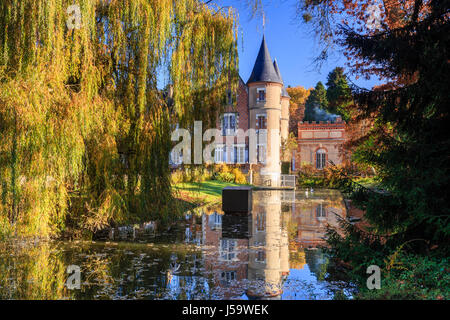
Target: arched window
321 156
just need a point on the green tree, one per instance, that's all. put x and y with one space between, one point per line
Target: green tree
298 95
85 130
317 99
338 93
408 143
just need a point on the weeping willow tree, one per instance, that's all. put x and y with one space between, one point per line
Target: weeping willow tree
85 128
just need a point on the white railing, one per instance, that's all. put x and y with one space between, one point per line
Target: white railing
288 180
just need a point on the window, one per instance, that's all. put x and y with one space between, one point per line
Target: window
261 94
239 154
320 158
229 124
229 154
229 97
321 211
261 131
215 221
227 276
218 154
261 256
261 121
228 249
261 153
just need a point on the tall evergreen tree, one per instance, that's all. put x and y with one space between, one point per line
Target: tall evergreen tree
409 143
317 99
338 93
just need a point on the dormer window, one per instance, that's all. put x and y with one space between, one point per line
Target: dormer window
261 94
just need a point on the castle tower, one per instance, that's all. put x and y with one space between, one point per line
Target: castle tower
265 89
285 102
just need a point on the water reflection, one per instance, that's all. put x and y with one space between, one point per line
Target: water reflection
268 254
252 256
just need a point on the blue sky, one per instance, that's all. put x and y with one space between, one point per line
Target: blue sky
291 43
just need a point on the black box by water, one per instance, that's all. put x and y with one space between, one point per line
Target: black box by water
237 199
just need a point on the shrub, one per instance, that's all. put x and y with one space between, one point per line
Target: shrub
413 277
239 177
177 177
307 169
219 169
226 177
329 177
285 167
223 172
197 174
206 175
223 167
5 228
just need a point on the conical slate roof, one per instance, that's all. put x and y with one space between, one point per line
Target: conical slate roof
264 71
284 92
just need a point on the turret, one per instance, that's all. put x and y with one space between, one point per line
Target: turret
265 89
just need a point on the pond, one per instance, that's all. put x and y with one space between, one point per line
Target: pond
271 253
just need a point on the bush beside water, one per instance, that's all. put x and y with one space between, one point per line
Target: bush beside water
220 172
412 277
330 176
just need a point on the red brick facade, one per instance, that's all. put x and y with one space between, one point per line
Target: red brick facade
241 109
324 136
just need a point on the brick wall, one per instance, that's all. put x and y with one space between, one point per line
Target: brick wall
241 108
313 136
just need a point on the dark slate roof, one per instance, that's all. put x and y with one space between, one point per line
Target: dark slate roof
284 92
263 71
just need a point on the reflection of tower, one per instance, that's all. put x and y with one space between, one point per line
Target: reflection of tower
269 252
284 253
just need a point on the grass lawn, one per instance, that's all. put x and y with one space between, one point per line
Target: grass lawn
202 193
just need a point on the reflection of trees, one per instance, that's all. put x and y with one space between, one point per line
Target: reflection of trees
297 259
317 262
107 272
32 272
